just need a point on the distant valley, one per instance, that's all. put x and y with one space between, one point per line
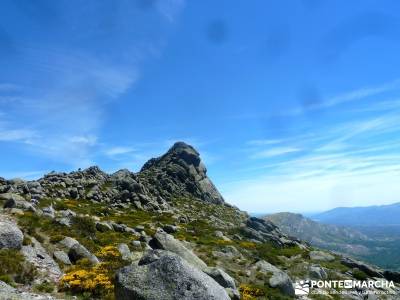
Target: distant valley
367 233
383 215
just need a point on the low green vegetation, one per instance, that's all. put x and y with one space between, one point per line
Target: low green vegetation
200 226
45 287
360 275
14 268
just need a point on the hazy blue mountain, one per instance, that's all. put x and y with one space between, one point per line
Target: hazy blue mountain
368 233
383 215
332 237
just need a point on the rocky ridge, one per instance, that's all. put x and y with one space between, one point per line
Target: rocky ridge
162 233
178 173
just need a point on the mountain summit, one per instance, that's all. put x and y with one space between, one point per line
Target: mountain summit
181 172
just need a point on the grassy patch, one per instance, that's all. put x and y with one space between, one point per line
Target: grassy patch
335 265
360 275
45 287
15 268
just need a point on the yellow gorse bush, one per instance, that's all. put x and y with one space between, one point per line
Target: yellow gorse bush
108 252
249 245
249 292
223 242
96 280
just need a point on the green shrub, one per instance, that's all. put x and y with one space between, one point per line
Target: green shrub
7 279
27 275
60 205
27 241
360 275
84 226
56 238
39 237
11 262
45 287
14 265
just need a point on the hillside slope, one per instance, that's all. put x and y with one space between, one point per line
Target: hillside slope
163 233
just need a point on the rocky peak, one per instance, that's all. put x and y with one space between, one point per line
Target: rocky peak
180 172
180 152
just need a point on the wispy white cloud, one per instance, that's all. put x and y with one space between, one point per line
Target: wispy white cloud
118 150
17 135
263 142
315 193
8 87
64 111
170 9
353 162
350 96
277 151
363 93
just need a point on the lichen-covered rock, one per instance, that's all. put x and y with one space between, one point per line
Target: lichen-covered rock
77 252
103 226
124 251
282 281
221 277
68 242
279 278
317 272
168 278
44 263
167 242
62 257
321 256
12 200
9 293
11 236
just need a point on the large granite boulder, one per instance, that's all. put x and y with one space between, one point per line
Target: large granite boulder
321 256
43 262
167 242
279 278
221 277
77 252
11 236
12 200
167 278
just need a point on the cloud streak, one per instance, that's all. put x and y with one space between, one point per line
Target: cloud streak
59 109
352 162
350 96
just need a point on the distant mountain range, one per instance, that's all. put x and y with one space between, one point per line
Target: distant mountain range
338 238
369 233
383 215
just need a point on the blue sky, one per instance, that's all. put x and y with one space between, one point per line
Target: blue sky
294 105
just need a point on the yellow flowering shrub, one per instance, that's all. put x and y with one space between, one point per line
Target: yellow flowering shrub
71 203
250 293
108 253
223 242
96 280
248 245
